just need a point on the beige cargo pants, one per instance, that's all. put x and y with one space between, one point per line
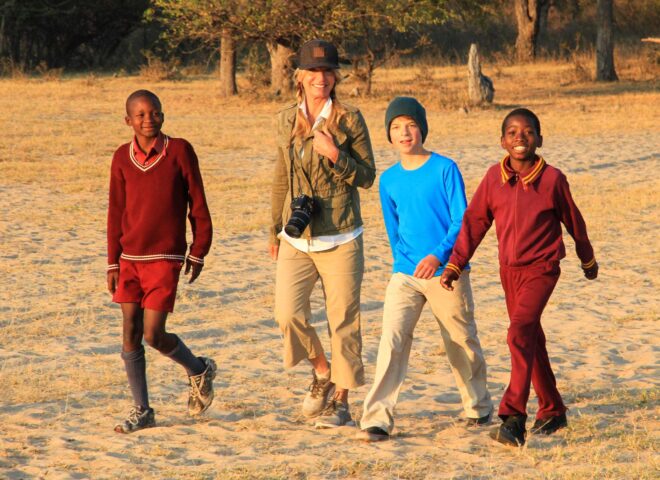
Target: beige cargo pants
340 270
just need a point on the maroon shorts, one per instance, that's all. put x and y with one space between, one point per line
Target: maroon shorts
152 285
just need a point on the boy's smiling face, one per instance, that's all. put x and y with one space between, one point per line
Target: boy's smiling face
406 135
521 139
145 116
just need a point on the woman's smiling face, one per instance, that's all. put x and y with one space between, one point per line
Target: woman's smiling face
318 83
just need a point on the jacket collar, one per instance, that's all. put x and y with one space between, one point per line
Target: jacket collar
325 111
529 176
290 118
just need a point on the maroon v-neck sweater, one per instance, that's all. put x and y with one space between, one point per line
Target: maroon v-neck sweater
528 211
148 206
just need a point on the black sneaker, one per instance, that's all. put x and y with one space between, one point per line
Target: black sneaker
372 434
547 426
511 432
138 418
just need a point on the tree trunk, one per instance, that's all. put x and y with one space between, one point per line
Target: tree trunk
480 87
369 73
528 14
362 71
281 68
227 64
604 43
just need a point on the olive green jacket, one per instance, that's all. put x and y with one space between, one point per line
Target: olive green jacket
333 188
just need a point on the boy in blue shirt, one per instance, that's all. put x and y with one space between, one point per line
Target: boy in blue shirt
423 200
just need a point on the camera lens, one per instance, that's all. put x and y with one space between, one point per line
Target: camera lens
297 223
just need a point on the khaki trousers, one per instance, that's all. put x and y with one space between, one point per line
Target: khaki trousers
454 312
340 269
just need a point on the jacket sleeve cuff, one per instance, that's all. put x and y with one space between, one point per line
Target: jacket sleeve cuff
340 167
454 268
112 267
442 254
588 265
273 235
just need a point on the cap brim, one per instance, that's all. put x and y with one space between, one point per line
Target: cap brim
319 64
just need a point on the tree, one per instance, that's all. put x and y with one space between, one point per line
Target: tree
227 63
528 17
280 24
371 32
605 71
281 67
39 32
209 24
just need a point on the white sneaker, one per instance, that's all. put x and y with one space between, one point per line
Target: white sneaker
317 398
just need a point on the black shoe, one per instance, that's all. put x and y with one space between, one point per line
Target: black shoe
511 432
372 434
477 422
546 426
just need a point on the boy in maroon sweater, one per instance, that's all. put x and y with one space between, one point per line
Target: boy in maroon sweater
154 182
528 200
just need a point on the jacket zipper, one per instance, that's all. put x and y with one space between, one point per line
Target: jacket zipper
515 220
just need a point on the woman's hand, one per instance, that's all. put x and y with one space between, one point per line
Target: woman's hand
273 250
325 145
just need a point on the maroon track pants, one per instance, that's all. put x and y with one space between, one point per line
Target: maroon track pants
527 291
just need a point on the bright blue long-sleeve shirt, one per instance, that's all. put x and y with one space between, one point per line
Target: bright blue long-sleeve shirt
423 210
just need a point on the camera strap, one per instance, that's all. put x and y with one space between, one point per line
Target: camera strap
299 170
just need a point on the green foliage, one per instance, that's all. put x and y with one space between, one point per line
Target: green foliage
198 20
90 34
368 31
371 32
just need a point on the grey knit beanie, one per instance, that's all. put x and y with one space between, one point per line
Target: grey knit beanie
409 107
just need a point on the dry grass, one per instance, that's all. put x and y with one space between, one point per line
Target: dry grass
59 365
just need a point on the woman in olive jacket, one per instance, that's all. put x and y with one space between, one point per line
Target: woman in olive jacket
324 155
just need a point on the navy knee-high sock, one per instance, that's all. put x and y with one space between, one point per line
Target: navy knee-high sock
137 377
184 357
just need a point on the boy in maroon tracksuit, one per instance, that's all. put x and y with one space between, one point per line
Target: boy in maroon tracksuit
528 200
155 182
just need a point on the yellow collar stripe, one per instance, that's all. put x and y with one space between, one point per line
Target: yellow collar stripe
529 178
534 174
505 173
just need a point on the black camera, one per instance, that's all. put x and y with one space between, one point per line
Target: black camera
302 208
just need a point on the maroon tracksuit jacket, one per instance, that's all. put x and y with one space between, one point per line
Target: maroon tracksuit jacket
528 210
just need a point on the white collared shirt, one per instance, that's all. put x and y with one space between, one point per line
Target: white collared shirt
323 242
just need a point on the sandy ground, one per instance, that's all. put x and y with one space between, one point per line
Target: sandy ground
63 384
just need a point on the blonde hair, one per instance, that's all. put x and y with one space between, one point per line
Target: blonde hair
301 126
